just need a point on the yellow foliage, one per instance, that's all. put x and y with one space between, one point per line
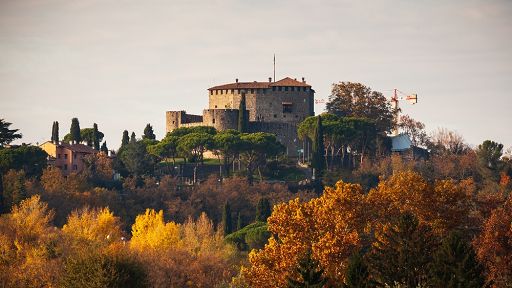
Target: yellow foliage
151 232
99 225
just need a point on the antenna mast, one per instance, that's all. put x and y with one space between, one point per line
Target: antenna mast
274 67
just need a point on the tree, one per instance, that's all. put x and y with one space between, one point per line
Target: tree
242 115
402 253
98 226
136 159
256 148
7 135
95 137
318 160
239 224
415 130
133 139
87 135
263 210
444 141
74 131
350 99
357 274
310 273
227 223
228 145
14 188
126 138
31 159
151 232
455 264
104 148
489 154
55 132
194 145
148 133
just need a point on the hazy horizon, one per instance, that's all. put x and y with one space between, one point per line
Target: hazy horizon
123 64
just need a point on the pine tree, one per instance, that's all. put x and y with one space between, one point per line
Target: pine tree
403 253
263 210
310 274
226 219
133 139
239 223
455 264
53 132
317 161
242 115
126 138
148 133
75 131
104 148
357 274
95 137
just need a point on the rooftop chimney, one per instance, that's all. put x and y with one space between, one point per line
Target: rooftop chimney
303 80
236 80
269 79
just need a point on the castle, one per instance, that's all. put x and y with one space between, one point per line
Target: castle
273 107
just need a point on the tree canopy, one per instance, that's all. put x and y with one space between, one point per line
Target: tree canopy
7 135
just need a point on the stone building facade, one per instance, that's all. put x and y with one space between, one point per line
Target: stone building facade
274 107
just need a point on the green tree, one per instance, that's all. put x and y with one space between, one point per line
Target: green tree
489 154
263 210
256 148
350 99
7 135
28 158
148 133
95 137
242 115
126 138
310 274
74 131
239 223
104 148
55 132
455 265
402 253
227 144
318 160
136 159
14 190
357 274
167 148
133 138
87 135
227 223
193 145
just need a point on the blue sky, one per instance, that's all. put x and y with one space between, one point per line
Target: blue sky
122 64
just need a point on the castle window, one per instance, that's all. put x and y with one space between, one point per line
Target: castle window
252 91
65 166
287 107
74 155
279 88
58 156
215 106
221 92
232 91
275 115
216 92
172 122
285 88
211 92
65 156
213 120
303 88
293 89
273 88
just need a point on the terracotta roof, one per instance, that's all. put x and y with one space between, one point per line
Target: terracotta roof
259 85
80 148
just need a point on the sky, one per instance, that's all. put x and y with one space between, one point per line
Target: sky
122 64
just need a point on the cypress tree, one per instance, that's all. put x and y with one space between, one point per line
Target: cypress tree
310 274
53 132
242 115
126 138
56 135
455 265
263 210
104 148
75 131
148 133
133 139
239 223
317 160
95 137
226 219
1 193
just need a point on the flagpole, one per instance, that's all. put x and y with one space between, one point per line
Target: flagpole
274 67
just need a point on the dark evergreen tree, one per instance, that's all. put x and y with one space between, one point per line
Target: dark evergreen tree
2 208
318 161
402 254
133 139
455 264
148 133
7 135
263 210
226 219
357 274
136 159
126 138
95 137
75 131
55 132
310 274
242 115
239 223
104 148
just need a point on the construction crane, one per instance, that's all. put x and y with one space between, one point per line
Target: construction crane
411 98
